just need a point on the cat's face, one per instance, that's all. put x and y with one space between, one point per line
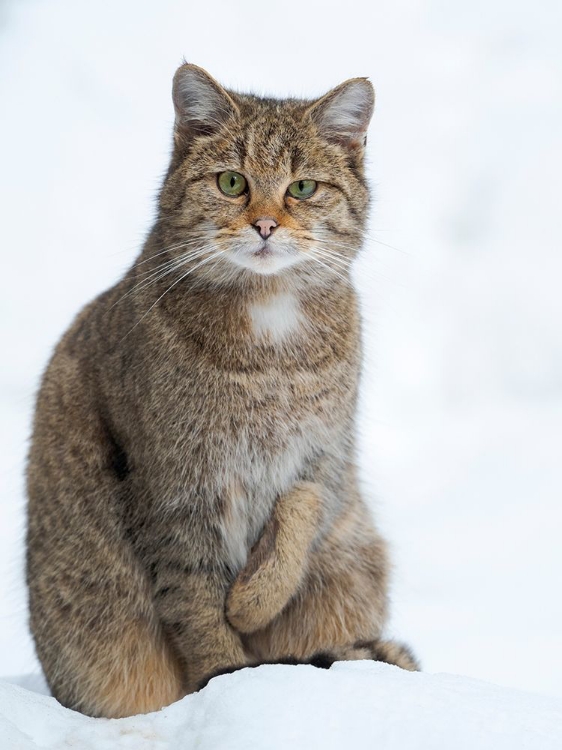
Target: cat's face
262 186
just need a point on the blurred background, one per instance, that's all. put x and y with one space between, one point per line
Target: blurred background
460 278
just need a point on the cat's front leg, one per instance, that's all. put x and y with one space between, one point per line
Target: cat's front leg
190 604
277 564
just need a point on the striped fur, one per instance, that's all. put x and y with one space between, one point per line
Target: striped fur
182 424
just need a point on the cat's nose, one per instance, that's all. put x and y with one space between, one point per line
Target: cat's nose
265 226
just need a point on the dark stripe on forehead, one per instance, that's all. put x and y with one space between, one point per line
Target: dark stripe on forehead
298 161
268 146
240 147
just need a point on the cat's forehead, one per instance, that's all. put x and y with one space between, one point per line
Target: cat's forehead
274 136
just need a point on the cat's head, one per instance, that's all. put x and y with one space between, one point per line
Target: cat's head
261 186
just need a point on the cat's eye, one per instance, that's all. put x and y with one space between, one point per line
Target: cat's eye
302 189
232 183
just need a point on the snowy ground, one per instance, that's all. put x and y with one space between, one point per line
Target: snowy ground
461 418
357 705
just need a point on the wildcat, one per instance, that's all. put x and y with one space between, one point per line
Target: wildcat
193 497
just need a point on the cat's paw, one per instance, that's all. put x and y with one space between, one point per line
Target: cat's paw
277 563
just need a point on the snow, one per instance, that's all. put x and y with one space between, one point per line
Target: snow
461 412
353 705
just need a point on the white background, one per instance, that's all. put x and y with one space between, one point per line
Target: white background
461 415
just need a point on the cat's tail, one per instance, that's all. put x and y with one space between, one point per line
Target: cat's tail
389 652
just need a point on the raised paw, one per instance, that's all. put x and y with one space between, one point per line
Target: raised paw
278 562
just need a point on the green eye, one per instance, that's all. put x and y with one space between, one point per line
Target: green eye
302 188
232 183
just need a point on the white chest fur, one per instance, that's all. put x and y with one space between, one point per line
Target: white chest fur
277 318
257 480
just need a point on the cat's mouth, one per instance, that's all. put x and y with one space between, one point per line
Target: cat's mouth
266 258
265 251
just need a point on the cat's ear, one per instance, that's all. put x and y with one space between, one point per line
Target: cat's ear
344 113
202 106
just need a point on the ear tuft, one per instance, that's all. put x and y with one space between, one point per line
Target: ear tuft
202 105
344 113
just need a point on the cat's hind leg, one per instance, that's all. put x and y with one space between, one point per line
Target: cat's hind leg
91 607
96 634
134 673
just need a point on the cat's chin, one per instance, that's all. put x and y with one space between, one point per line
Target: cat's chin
265 262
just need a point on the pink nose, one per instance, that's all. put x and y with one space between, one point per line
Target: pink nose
265 226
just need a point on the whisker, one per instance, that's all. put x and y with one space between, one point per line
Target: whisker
330 262
188 254
335 254
378 273
181 278
378 260
366 236
343 278
162 271
337 259
331 242
190 241
392 247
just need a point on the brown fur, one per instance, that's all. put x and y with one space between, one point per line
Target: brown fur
278 562
138 675
176 418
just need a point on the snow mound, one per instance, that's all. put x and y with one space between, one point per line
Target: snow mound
352 705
